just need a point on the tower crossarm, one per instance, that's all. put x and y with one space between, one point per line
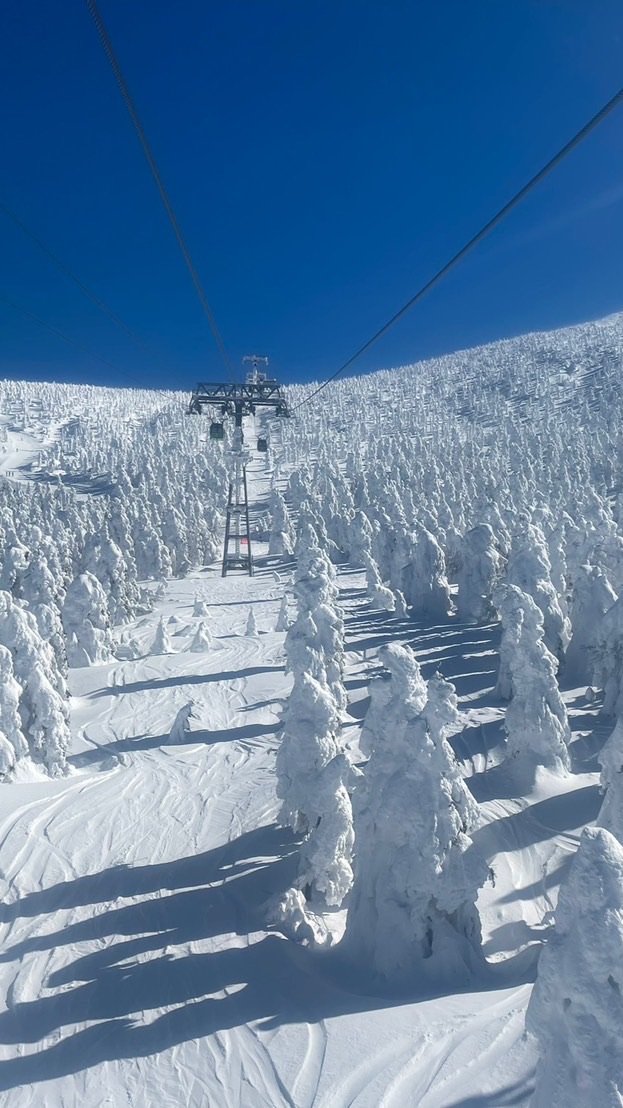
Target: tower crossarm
246 396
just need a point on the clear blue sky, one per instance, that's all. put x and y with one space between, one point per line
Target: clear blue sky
324 158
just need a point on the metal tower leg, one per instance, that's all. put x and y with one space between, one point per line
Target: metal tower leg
246 514
227 530
237 511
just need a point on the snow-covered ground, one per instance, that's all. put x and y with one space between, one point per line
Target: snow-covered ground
142 962
136 962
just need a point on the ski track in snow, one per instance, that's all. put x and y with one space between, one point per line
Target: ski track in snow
135 965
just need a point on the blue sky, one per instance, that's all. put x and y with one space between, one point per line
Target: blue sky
325 158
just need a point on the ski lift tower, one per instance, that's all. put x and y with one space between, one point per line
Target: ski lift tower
239 400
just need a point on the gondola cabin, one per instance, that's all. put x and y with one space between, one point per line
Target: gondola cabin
217 432
262 445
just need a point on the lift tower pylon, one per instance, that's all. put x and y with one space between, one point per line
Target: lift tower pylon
238 400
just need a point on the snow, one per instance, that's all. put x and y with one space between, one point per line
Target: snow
136 957
158 947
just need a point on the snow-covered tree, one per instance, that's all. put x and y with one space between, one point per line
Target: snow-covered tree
360 535
592 596
397 695
39 586
251 627
309 742
536 721
611 761
280 543
607 658
424 581
479 571
202 640
161 642
50 628
330 628
181 724
43 702
10 693
576 1007
304 650
529 569
200 609
47 721
326 855
283 620
14 565
86 623
412 912
380 596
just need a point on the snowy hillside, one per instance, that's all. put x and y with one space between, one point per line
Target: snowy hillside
298 839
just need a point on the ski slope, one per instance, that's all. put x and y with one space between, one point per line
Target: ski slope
137 963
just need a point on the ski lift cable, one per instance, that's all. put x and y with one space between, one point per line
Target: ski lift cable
138 127
503 212
76 280
66 338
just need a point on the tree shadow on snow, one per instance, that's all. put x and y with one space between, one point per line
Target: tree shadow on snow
551 879
483 740
517 1093
194 899
535 823
184 679
466 654
246 732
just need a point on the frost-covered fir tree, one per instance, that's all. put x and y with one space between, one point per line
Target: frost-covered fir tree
592 596
10 694
360 536
14 565
7 757
309 742
281 542
43 701
575 1011
424 581
330 626
39 586
251 627
611 761
200 609
201 640
607 658
397 695
86 622
283 619
480 568
412 913
51 629
304 650
536 721
161 642
181 724
47 721
326 855
529 569
380 596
